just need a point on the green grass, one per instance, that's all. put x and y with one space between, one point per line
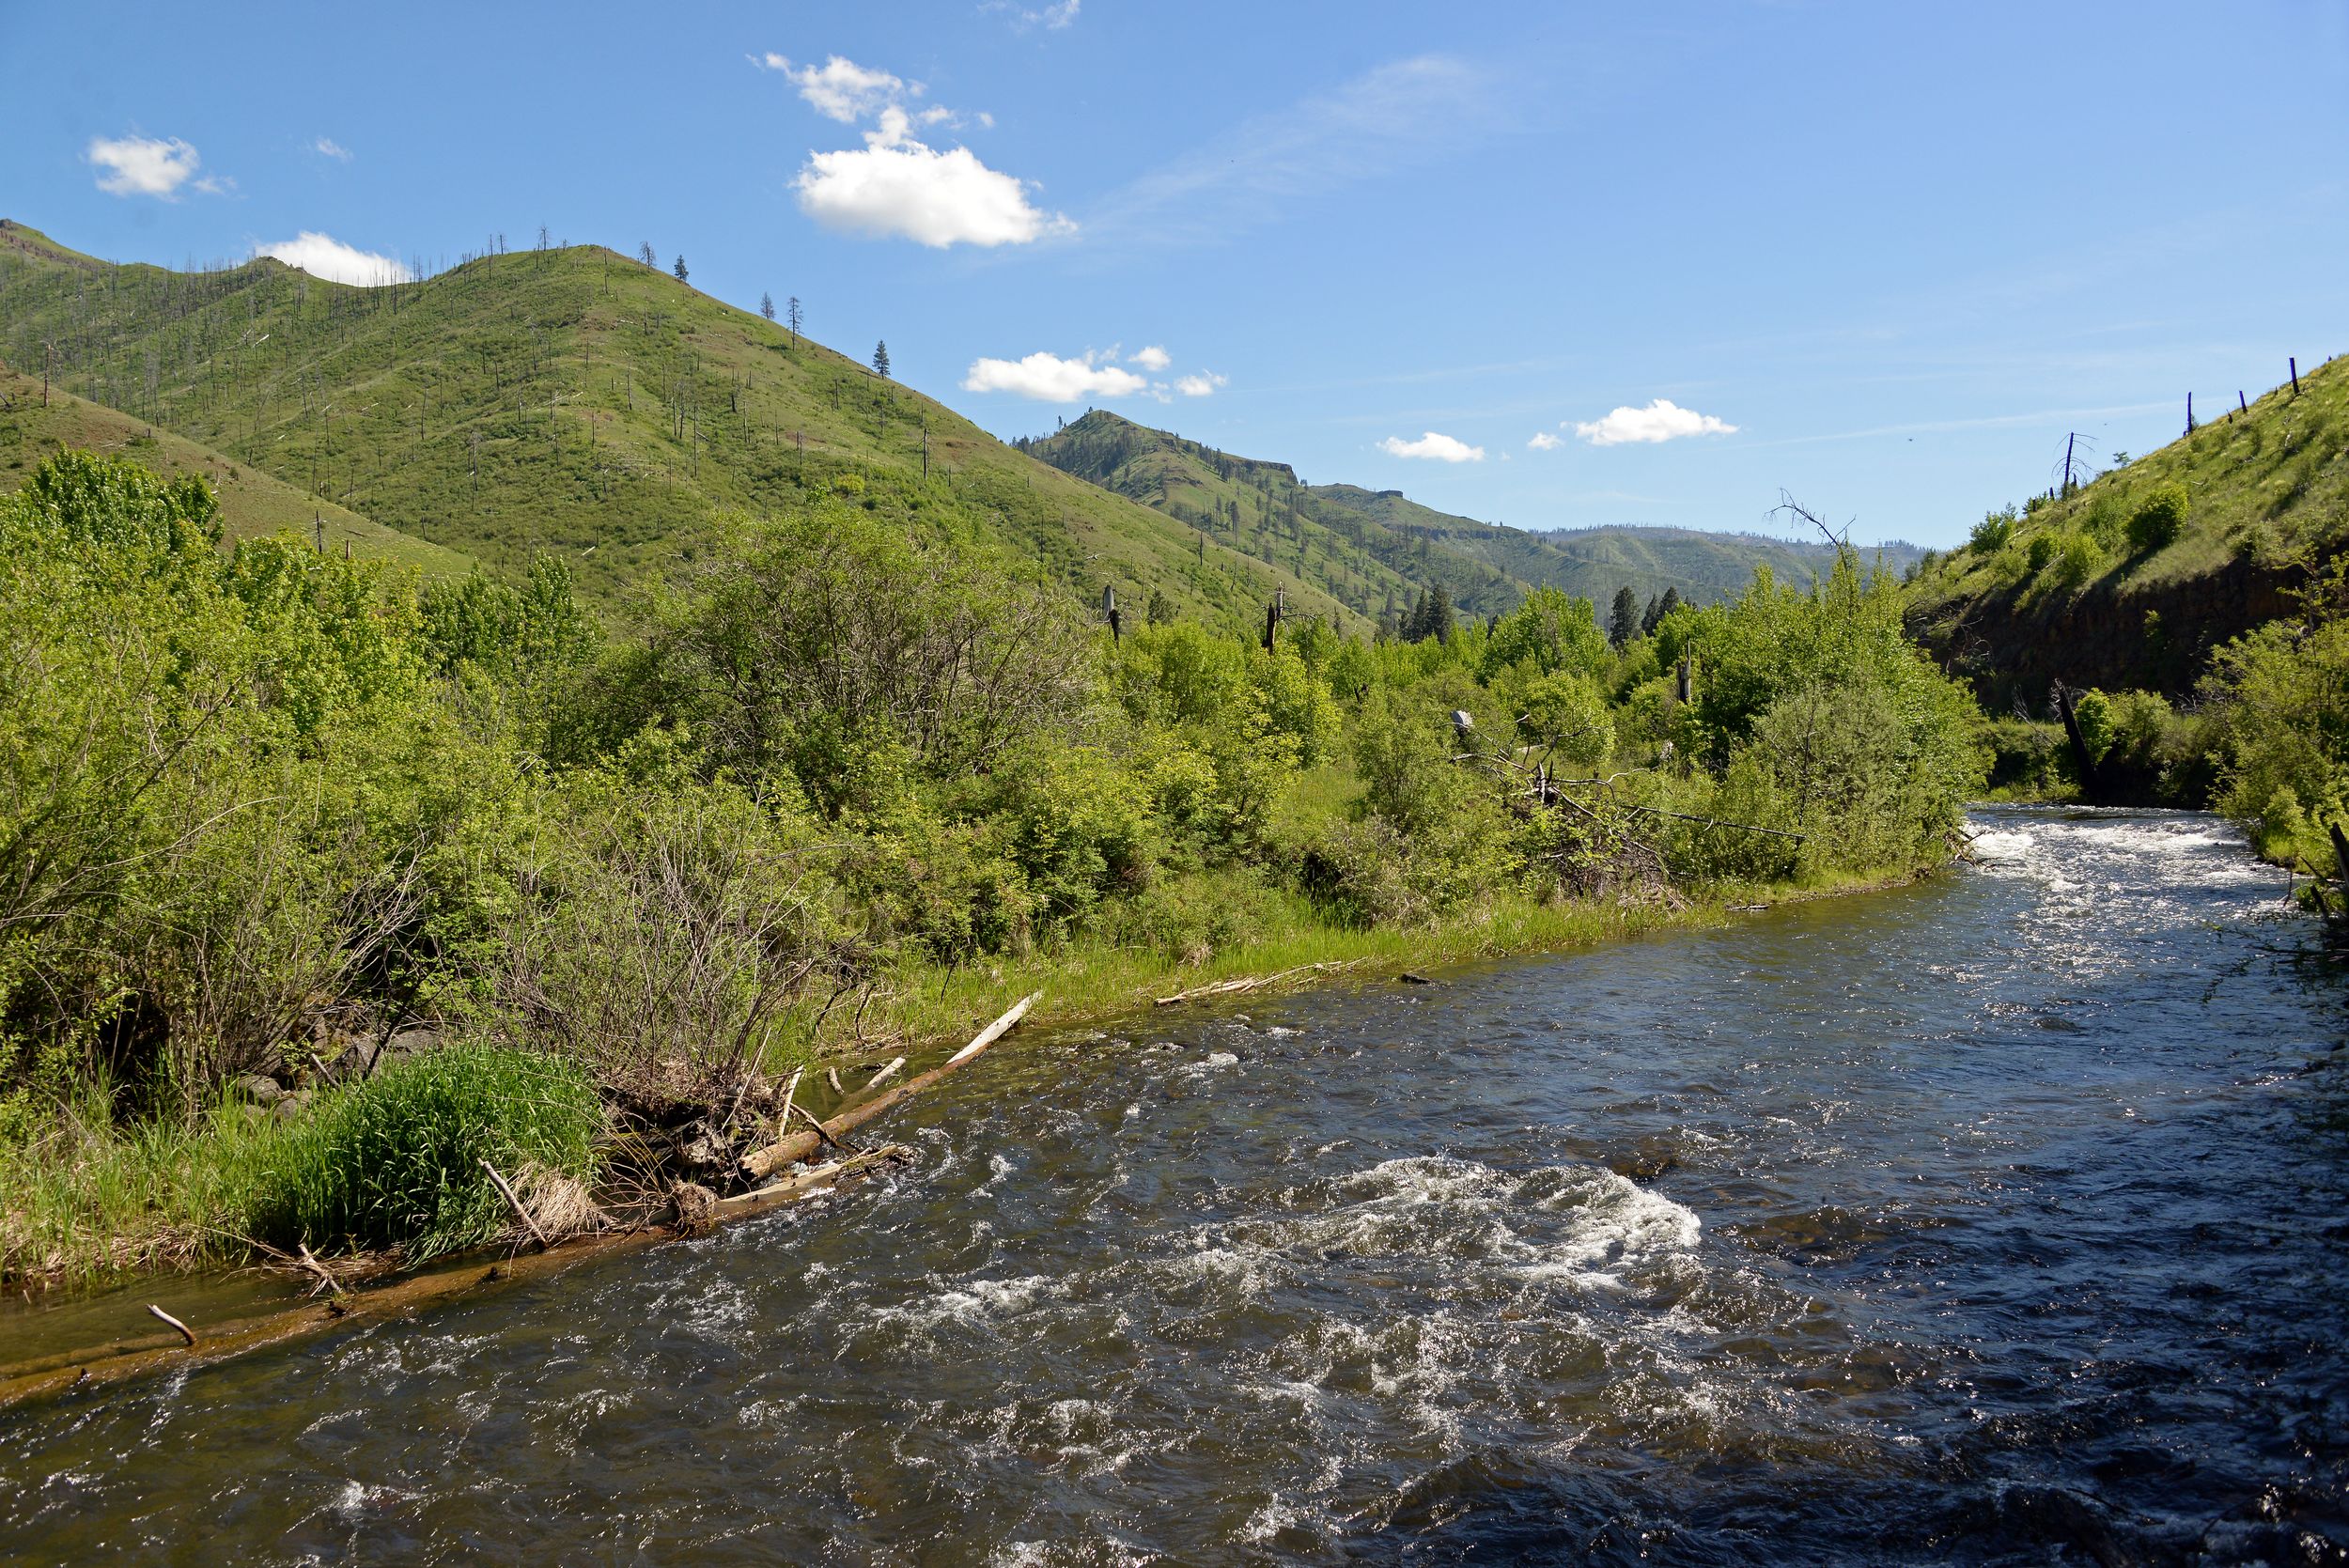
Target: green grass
571 401
2271 484
252 504
396 1160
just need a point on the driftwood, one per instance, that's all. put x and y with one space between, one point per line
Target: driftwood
123 1359
185 1332
514 1203
888 1072
1249 983
792 1147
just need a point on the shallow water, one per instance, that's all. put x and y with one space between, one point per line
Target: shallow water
1995 1220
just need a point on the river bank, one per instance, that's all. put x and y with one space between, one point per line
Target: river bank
101 1203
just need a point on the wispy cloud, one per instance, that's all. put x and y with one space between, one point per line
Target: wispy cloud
326 147
1201 385
1389 119
1435 447
1052 17
1544 441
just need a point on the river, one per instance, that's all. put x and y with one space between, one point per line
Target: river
1996 1220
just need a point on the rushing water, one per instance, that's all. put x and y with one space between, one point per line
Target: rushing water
1995 1220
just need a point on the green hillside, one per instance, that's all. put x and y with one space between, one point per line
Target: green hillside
2077 587
34 428
569 400
1372 550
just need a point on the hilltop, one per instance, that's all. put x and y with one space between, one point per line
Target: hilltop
569 400
1375 548
2068 589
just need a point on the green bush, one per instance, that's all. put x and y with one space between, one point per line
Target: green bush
2159 519
396 1161
2075 559
1991 533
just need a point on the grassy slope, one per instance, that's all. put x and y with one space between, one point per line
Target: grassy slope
1370 547
2268 492
251 502
567 400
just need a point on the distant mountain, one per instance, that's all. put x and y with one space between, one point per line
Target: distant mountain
1374 549
569 400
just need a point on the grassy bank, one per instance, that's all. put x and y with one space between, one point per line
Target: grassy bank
93 1200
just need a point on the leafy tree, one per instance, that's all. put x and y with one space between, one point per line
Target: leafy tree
880 358
1161 610
1552 630
679 268
1624 624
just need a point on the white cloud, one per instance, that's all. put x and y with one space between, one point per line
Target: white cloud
936 198
145 166
1544 441
1201 384
1153 358
327 146
897 185
1049 378
1442 449
1662 420
322 256
840 88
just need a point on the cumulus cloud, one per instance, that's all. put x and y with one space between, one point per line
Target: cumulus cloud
1544 441
322 256
327 146
1049 378
1153 358
1662 420
913 192
897 185
1201 384
145 166
1441 448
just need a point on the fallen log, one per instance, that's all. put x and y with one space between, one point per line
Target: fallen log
1249 983
792 1147
124 1358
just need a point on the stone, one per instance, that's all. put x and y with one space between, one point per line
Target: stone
289 1106
256 1088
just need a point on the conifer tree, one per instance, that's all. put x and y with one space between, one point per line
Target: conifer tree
766 306
1624 624
679 268
880 358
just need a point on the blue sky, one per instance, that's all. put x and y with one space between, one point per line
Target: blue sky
1882 257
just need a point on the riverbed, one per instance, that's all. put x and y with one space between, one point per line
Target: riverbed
1994 1220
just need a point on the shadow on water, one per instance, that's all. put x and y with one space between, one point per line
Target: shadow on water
1995 1220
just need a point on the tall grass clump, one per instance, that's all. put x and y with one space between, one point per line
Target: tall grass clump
396 1161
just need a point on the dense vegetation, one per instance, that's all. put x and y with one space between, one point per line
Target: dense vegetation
260 807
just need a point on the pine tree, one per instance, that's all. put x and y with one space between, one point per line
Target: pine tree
880 358
766 306
1439 620
1624 625
679 268
1654 614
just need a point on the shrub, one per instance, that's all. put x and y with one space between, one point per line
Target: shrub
396 1161
1991 533
2159 519
2077 557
